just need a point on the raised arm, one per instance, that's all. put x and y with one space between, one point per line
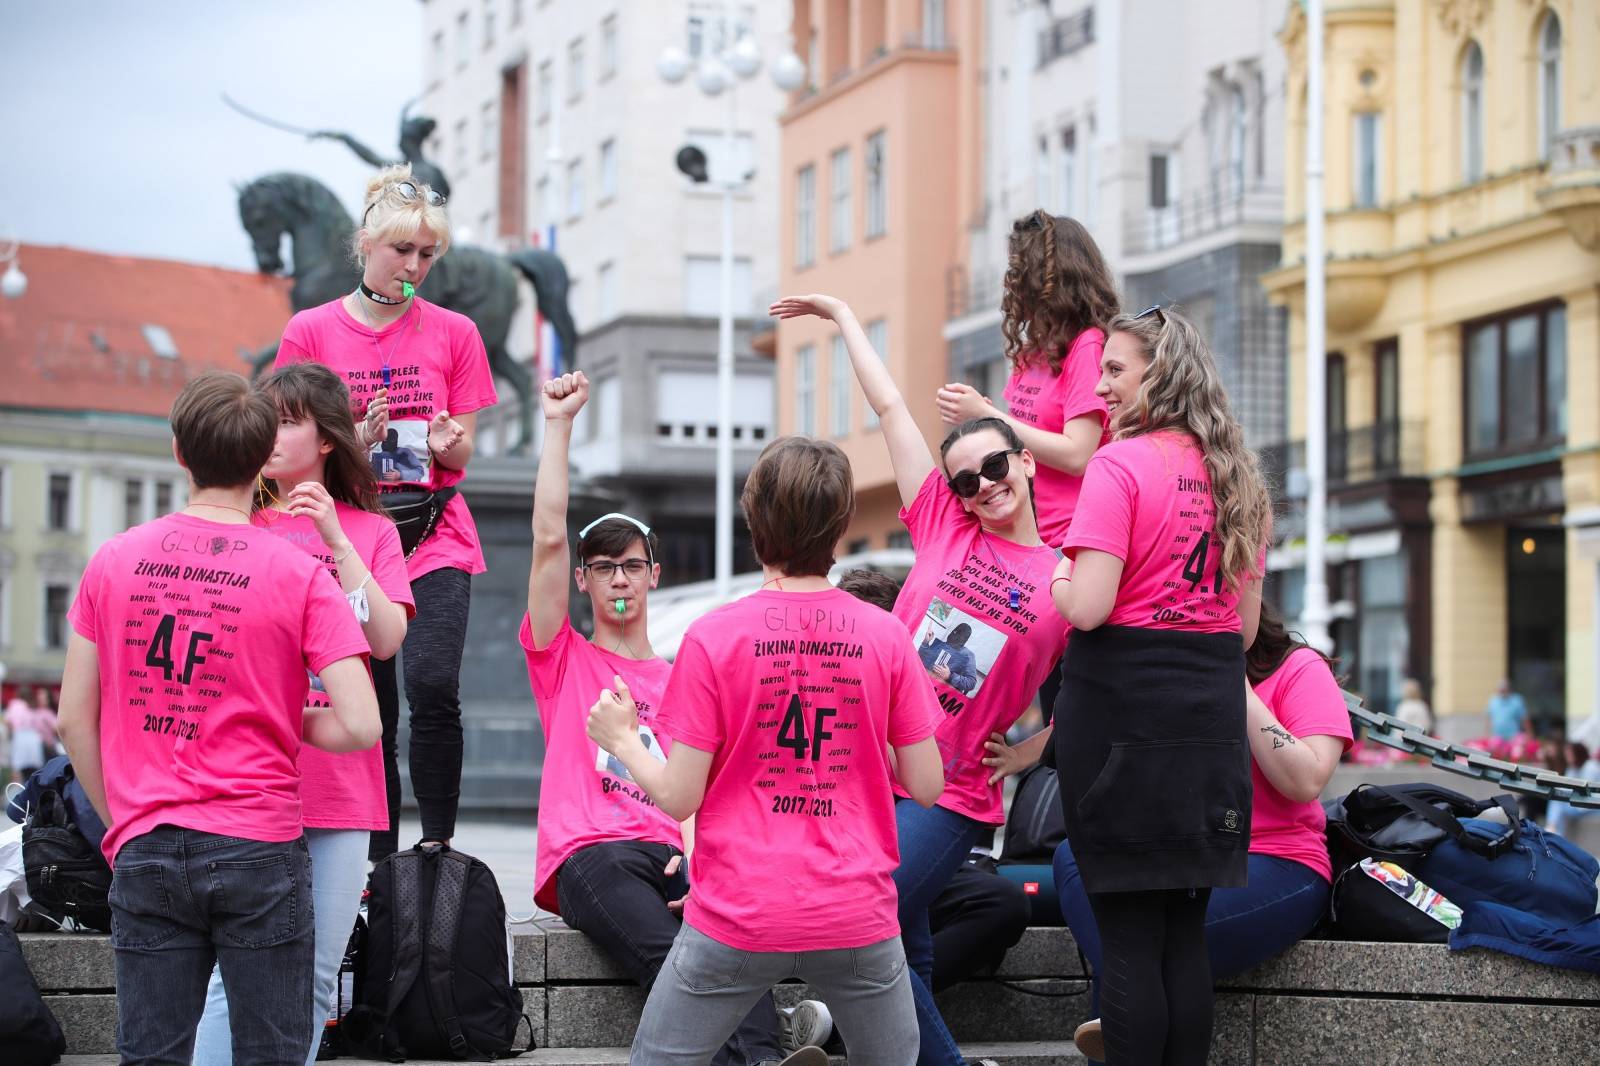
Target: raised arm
365 154
908 451
561 398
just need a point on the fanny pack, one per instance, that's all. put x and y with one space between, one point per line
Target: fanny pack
415 513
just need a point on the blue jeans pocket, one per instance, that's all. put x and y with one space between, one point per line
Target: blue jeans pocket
261 902
880 963
141 909
704 964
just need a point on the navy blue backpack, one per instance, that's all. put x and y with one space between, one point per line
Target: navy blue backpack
1531 871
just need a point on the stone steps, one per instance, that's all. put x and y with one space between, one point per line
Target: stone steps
1319 1002
1014 1053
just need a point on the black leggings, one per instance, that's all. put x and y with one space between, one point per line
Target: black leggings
431 655
1155 988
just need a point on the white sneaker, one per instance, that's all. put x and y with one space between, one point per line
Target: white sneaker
807 1024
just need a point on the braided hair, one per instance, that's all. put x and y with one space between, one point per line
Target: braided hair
1057 285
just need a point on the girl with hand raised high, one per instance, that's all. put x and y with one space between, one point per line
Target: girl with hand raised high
977 603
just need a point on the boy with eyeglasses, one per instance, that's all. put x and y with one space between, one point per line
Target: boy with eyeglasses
609 861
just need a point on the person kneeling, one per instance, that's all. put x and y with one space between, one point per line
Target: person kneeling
784 708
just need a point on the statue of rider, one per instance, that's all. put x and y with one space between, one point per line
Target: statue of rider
413 132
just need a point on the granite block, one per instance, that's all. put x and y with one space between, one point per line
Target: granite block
70 962
1041 1009
533 1005
592 1015
1043 951
571 956
1412 970
1313 1031
1232 1030
527 954
89 1022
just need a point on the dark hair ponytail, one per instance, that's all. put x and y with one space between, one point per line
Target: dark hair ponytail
1274 643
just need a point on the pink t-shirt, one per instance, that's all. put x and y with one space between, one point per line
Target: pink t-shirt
205 632
957 603
1147 500
797 695
436 362
585 795
346 791
1049 401
1303 694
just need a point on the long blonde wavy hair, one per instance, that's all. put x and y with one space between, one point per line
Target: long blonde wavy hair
1182 390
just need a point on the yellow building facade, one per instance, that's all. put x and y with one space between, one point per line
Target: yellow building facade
1462 190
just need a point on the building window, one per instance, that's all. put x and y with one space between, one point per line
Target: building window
461 144
1091 176
1366 132
488 132
608 170
608 47
544 196
702 286
933 23
1516 381
56 600
839 220
1161 183
900 538
575 188
1549 83
1472 113
605 284
1386 404
840 377
463 39
58 503
805 390
805 217
436 56
132 502
1338 449
1041 175
1238 137
488 24
1066 194
878 337
546 90
575 69
877 184
516 12
163 498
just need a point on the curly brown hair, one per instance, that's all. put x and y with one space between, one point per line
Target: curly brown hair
1057 285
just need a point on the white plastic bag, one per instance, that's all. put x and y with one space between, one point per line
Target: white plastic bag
13 878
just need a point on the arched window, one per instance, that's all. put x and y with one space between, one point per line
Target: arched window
1549 86
1472 113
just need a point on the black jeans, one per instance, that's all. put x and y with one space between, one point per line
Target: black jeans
431 656
616 894
976 919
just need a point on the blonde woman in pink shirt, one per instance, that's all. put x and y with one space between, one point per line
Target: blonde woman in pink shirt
1162 588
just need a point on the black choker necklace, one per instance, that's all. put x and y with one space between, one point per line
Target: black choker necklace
378 297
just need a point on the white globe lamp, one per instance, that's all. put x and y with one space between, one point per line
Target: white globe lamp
672 64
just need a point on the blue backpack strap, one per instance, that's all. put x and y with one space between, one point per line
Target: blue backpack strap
444 923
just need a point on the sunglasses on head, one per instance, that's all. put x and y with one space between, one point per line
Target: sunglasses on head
1153 309
407 191
995 466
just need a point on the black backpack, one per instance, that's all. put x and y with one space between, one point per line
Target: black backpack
1035 827
28 1031
67 875
1403 823
437 973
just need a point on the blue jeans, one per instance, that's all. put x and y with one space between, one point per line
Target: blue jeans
934 842
183 900
1244 926
338 876
705 987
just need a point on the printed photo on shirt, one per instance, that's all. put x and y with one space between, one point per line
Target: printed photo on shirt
607 763
957 649
403 453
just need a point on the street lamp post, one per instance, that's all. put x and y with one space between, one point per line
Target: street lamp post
1315 616
719 73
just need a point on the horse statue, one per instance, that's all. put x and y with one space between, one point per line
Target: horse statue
477 283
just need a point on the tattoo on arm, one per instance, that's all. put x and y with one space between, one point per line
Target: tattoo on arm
1280 735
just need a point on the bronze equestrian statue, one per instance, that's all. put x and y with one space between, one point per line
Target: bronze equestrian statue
413 132
475 282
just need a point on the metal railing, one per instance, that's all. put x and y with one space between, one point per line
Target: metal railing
1387 449
1217 206
1390 731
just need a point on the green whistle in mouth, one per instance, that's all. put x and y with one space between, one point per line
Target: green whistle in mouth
407 289
622 606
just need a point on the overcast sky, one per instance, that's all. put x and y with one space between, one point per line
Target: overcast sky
113 136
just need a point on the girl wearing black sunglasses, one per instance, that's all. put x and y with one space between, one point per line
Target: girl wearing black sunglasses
977 603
